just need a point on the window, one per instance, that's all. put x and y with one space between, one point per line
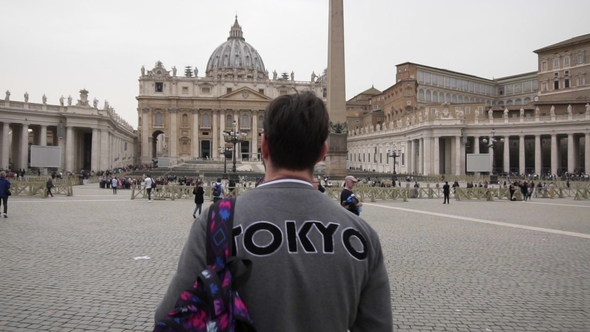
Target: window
580 58
245 121
509 89
206 90
125 146
206 120
228 121
467 110
420 94
420 76
260 121
440 80
435 96
517 87
555 63
566 83
433 111
544 65
566 61
261 91
228 90
544 86
470 87
408 92
185 90
159 87
566 73
453 83
428 95
158 121
581 80
184 119
427 78
527 86
556 85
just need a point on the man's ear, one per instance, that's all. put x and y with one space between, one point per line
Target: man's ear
323 153
264 147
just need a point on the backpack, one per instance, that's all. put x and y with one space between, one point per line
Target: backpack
217 189
213 302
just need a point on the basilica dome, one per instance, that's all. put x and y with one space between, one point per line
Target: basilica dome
235 58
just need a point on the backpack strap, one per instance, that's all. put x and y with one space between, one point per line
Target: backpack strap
220 224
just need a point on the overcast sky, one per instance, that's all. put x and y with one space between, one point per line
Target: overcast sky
59 47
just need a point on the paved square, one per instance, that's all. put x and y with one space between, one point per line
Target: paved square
67 263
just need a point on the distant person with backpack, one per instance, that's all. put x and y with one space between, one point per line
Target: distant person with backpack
217 190
314 265
149 184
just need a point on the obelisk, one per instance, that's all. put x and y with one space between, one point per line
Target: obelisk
337 149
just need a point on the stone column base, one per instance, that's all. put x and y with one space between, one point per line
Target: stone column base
336 156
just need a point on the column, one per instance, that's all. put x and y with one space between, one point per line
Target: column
427 152
173 135
69 149
146 148
195 140
462 158
507 154
221 130
24 147
538 162
436 152
5 147
421 156
457 155
571 162
95 148
587 153
521 161
255 135
476 150
43 137
410 156
216 131
554 156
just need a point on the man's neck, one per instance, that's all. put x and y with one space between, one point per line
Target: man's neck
279 174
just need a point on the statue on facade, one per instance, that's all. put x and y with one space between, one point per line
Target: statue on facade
44 98
445 112
95 103
537 111
70 100
106 105
196 72
420 117
522 112
552 110
292 76
26 97
313 76
7 98
274 75
491 114
569 110
588 108
61 100
506 113
426 115
174 71
476 115
142 71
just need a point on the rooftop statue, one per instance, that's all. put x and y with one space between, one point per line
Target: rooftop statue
44 98
26 97
7 98
61 100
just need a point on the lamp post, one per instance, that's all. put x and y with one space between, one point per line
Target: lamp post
492 145
226 153
234 137
394 154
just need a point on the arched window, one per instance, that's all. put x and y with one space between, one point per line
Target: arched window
420 94
447 97
501 103
260 121
428 95
454 98
434 96
461 99
509 102
184 119
245 121
518 101
228 121
158 119
527 100
206 119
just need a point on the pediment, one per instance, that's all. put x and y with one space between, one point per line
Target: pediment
245 93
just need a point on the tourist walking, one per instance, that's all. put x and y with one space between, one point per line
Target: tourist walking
199 193
114 185
446 192
347 198
217 190
149 183
4 193
315 266
49 185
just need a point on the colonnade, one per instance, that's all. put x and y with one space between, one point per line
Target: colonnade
428 153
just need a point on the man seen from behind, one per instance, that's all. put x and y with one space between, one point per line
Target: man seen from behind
315 266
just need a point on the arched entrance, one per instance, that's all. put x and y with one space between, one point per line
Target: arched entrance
159 145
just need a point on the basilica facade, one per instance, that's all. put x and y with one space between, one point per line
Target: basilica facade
187 116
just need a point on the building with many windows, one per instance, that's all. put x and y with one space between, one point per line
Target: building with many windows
185 116
539 121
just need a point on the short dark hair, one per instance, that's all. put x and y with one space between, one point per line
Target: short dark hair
296 127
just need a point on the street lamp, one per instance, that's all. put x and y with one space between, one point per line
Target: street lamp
394 154
226 153
234 137
492 144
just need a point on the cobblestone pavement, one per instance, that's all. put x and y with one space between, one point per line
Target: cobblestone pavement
67 263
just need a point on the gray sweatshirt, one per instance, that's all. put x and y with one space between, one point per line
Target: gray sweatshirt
315 266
